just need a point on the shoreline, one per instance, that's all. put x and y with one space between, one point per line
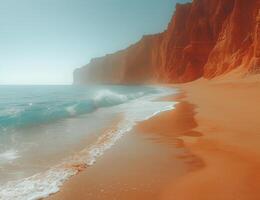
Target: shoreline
49 181
157 159
227 114
214 132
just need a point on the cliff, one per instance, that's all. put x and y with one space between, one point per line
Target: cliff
204 38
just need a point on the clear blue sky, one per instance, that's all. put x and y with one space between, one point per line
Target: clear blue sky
43 41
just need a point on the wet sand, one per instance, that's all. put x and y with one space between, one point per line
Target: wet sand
208 148
228 116
142 164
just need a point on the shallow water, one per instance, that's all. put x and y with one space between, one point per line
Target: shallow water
46 130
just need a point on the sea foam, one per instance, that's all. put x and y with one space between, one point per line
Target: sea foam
36 113
8 156
43 184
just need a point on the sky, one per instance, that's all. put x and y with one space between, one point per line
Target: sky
43 41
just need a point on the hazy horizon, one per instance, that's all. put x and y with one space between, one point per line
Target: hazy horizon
43 41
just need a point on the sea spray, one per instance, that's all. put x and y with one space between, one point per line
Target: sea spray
134 109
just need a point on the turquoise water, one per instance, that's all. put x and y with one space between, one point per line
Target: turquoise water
46 129
22 106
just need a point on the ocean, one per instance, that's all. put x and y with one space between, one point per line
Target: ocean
49 133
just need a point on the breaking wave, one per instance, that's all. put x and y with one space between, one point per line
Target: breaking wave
44 112
136 107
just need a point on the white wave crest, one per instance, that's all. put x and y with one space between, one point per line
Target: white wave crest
8 156
107 97
71 110
43 184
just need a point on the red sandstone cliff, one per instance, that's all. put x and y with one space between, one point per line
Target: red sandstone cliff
204 38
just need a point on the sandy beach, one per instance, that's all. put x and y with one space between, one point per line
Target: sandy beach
206 148
228 114
130 100
140 166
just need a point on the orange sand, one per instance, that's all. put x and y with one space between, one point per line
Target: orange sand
228 116
208 148
131 170
141 165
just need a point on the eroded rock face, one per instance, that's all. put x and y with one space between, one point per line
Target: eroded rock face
135 64
204 38
256 59
237 40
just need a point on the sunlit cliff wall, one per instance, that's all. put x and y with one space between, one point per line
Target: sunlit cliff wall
204 38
